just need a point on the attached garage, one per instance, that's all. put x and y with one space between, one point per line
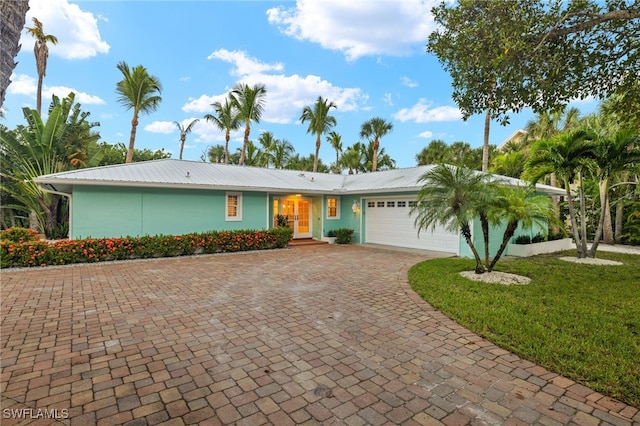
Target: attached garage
387 221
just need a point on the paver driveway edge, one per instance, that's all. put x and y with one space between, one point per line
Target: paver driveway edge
308 335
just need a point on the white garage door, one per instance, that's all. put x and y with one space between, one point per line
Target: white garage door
387 221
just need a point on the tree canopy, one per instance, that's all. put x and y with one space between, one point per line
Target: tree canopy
504 56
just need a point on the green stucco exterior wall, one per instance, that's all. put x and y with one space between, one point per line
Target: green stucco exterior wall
102 212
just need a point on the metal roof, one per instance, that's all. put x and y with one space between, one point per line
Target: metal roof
171 173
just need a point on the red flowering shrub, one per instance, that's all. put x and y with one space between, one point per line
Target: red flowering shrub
64 252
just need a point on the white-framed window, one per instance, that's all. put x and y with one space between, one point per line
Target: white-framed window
233 206
391 203
380 204
333 208
371 203
402 204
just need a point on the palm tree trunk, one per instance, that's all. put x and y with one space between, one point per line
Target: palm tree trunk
132 139
466 232
39 94
607 230
555 202
374 162
182 140
485 145
604 206
583 216
508 234
619 219
574 222
315 160
484 224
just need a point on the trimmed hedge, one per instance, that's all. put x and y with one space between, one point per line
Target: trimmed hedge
65 252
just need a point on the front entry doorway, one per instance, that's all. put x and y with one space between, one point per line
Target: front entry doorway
297 210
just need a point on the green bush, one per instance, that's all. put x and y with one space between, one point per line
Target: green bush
19 235
64 252
343 235
538 238
523 239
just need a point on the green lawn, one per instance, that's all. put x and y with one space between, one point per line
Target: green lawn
580 321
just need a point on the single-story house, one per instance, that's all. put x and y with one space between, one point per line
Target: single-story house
173 197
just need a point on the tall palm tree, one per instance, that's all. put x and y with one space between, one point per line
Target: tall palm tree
249 104
227 120
351 159
13 16
41 51
335 139
139 91
450 197
566 155
320 122
612 156
184 131
375 129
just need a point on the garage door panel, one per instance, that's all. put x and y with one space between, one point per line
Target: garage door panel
392 225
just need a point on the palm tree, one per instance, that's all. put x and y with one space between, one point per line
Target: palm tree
281 153
139 91
184 131
13 17
335 140
508 164
268 143
613 156
351 159
227 120
519 207
41 51
375 129
566 155
249 104
216 154
437 152
320 122
450 197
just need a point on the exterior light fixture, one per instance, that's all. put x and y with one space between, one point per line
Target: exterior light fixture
355 207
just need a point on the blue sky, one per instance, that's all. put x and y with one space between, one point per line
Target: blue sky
368 57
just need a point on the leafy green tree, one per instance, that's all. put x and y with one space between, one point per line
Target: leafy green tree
41 52
117 154
248 102
320 122
351 159
216 154
281 153
567 155
138 91
227 120
42 148
509 164
306 164
374 129
184 131
504 56
268 143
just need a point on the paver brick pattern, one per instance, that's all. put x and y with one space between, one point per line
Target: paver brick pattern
308 335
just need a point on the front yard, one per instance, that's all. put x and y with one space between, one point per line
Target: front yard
580 321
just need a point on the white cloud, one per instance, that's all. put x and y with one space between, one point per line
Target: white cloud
244 65
23 84
426 134
406 81
164 127
76 30
286 96
81 97
388 99
358 28
423 113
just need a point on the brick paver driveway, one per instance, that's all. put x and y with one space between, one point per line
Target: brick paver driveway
309 335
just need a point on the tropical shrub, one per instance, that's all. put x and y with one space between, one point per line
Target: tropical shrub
343 235
523 239
64 252
19 235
